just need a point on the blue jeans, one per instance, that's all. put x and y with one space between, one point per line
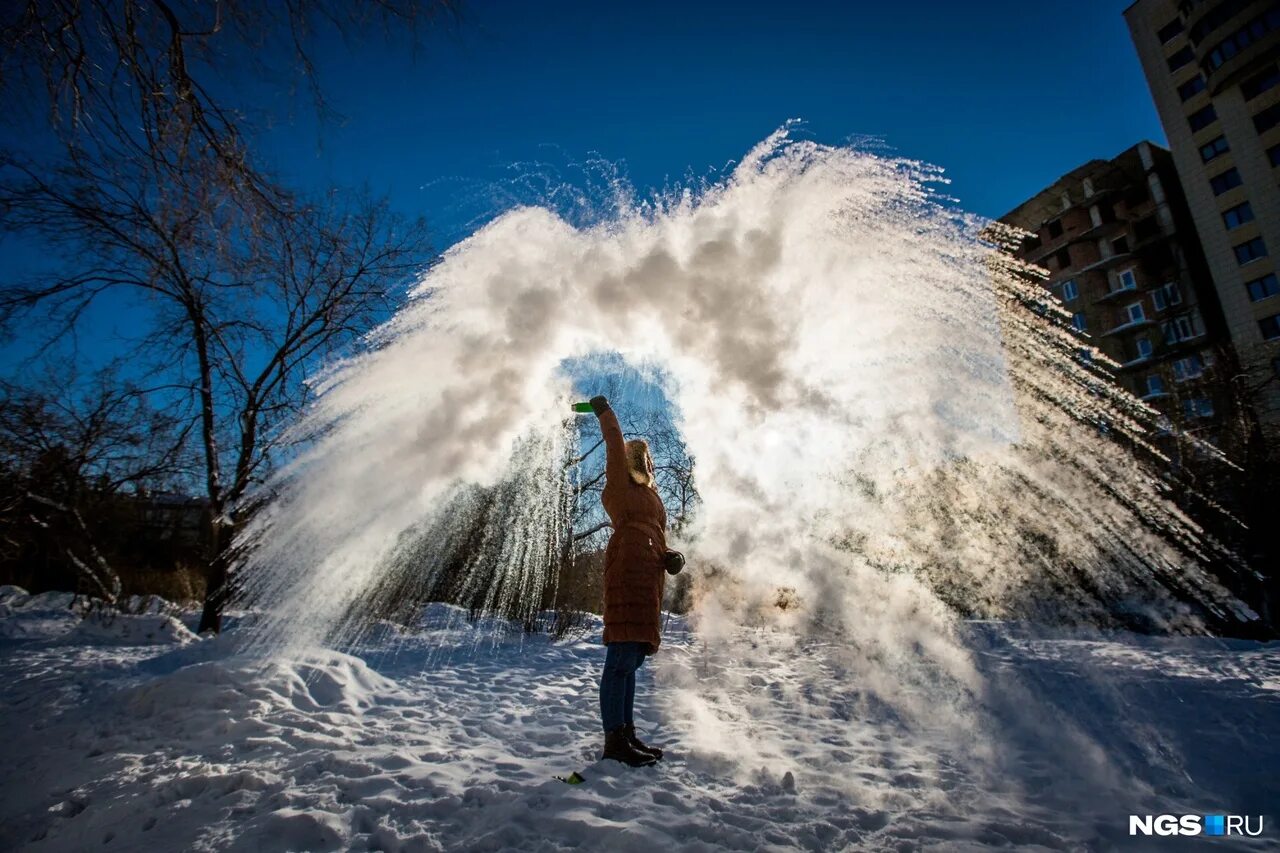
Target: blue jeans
618 683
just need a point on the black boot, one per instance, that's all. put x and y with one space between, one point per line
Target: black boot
639 745
618 747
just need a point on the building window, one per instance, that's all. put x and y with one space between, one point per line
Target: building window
1236 216
1187 368
1144 348
1135 313
1250 250
1031 243
1270 327
1166 295
1251 32
1273 154
1275 365
1127 280
1197 407
1224 181
1216 148
1202 118
1120 245
1267 119
1182 328
1189 89
1069 290
1181 58
1055 228
1262 288
1078 323
1257 84
1063 258
1155 384
1169 30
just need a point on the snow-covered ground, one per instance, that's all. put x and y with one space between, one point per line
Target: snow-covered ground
132 734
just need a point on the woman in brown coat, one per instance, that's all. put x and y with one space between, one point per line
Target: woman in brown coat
636 563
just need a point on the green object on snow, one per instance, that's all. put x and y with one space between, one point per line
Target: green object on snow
572 779
582 407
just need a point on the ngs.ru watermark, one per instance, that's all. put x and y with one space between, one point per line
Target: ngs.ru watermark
1194 824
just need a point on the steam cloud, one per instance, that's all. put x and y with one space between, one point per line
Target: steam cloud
840 366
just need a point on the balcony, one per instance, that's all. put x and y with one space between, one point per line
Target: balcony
1119 291
1130 326
1140 361
1099 230
1042 253
1103 263
1193 339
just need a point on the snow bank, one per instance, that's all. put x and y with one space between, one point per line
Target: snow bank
19 625
13 596
45 616
148 604
188 750
244 686
101 626
47 601
81 620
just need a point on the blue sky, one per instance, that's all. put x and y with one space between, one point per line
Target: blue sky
1006 96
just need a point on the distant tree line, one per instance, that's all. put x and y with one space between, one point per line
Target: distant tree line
86 470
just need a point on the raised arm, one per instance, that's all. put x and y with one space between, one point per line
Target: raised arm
615 462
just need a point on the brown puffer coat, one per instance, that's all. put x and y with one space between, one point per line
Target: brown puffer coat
634 574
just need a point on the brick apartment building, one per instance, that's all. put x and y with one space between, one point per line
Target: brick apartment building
1118 241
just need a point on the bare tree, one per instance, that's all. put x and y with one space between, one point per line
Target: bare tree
673 469
236 312
165 66
240 286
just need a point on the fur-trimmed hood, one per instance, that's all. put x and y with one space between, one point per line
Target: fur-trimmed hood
637 457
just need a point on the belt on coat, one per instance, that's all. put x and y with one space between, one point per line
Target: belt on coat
646 529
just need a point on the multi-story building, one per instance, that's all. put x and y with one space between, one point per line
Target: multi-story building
1117 239
1212 69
